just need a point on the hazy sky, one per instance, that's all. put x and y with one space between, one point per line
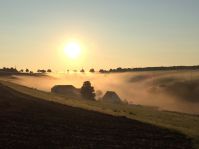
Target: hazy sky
112 33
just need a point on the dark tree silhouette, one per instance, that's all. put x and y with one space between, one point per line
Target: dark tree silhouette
49 70
82 70
87 91
27 70
41 71
9 70
102 71
161 68
92 70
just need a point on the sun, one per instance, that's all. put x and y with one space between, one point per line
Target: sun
72 50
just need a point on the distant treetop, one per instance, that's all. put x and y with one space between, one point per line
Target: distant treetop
92 70
82 70
119 69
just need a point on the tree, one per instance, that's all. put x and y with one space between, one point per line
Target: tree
87 91
82 70
49 70
41 71
102 71
27 70
92 70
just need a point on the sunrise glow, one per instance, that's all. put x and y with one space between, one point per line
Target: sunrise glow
72 50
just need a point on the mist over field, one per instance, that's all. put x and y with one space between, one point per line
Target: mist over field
167 90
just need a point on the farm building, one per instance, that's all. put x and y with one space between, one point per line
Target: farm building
66 90
112 97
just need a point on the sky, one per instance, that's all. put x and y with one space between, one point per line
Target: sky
111 33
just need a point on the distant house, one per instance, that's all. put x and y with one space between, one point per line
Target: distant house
111 97
66 90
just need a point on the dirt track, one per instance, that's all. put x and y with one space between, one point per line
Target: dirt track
28 122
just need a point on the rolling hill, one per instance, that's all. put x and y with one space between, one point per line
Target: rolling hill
31 122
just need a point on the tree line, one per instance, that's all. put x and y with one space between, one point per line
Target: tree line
92 70
11 70
119 69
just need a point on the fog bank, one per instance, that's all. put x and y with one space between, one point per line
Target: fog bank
168 90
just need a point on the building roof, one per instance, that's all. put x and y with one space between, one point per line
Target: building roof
111 96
